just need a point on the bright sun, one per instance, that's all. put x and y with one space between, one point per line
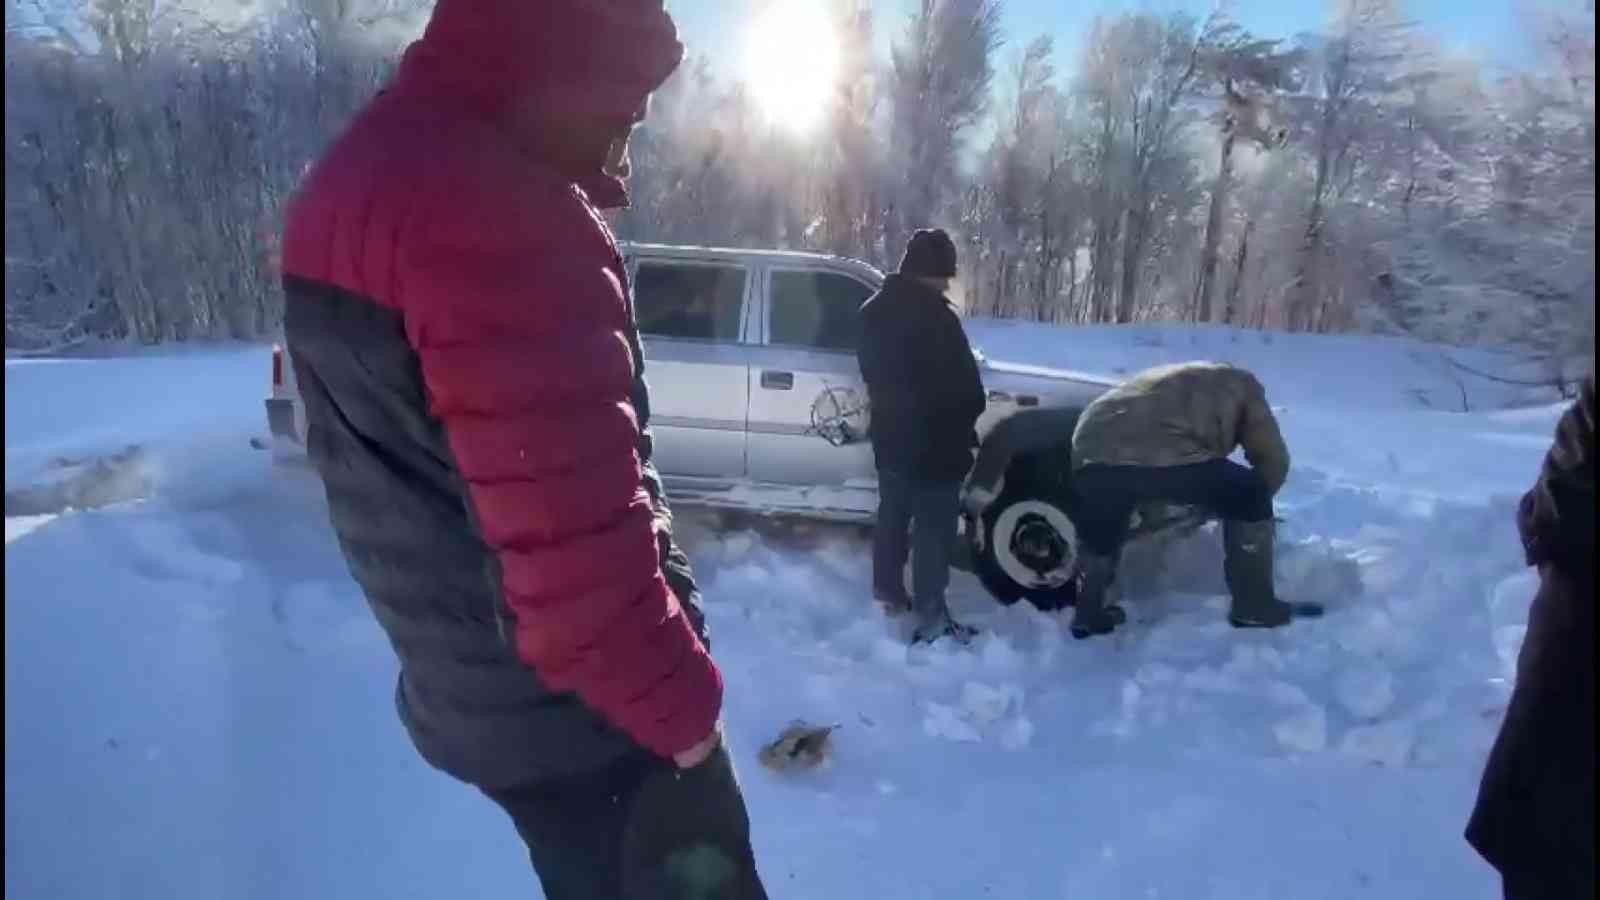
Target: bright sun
791 62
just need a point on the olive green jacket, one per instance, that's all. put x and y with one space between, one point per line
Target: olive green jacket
1182 414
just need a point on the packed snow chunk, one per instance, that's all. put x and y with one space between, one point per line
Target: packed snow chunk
890 652
1385 744
985 705
1372 632
998 655
1511 597
843 561
1315 571
1249 658
1507 644
1287 694
1156 673
1508 616
737 546
945 723
1366 692
1305 731
1124 724
1017 733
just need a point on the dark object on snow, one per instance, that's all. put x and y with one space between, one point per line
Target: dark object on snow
800 746
639 829
1534 819
929 254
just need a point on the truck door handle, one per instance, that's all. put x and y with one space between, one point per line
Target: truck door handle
777 381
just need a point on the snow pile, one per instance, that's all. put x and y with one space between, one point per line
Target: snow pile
196 690
1342 371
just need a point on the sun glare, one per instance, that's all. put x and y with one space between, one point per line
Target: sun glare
791 62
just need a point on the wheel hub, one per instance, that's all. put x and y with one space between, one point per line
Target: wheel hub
1037 545
1034 544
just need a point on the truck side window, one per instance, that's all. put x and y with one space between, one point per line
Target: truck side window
689 301
816 309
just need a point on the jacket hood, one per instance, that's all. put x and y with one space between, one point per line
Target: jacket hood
561 76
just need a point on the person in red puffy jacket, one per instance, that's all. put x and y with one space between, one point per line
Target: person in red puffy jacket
460 324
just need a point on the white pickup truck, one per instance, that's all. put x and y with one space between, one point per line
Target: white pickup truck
757 404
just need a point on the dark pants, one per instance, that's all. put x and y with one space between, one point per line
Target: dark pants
916 520
1107 495
640 829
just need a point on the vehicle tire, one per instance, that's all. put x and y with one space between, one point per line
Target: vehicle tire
1027 547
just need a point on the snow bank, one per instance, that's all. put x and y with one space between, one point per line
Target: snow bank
1341 371
196 691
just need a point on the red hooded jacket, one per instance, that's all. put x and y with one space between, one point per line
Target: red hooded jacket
461 329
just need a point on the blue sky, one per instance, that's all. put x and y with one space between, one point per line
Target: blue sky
1492 30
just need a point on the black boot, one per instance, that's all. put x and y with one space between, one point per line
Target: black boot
1093 614
1248 567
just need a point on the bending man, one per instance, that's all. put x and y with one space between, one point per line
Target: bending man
1165 435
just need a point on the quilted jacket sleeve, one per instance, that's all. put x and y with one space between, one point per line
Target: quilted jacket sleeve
526 364
1263 442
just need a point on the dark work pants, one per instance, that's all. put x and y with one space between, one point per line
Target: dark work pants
916 520
1107 495
640 829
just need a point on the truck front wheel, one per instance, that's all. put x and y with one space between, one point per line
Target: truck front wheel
1025 546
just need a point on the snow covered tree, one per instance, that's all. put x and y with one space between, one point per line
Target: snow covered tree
1246 72
850 161
149 151
1021 216
1355 67
939 83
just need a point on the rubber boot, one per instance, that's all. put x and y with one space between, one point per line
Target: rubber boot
1093 614
1248 567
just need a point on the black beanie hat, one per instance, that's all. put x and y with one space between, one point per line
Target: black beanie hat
929 254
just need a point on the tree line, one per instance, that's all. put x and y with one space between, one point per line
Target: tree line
1357 177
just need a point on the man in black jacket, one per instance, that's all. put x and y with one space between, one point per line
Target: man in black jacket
925 393
1534 820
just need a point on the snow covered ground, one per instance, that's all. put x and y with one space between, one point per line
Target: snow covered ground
198 704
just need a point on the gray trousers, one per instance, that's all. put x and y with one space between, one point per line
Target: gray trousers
916 520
